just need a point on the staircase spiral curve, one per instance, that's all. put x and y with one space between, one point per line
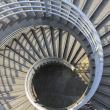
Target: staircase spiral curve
54 55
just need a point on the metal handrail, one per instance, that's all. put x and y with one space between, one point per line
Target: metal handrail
43 9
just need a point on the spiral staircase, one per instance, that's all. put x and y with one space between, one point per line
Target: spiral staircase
54 55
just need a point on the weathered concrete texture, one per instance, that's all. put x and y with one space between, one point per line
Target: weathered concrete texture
57 86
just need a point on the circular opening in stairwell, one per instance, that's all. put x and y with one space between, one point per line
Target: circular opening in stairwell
54 84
